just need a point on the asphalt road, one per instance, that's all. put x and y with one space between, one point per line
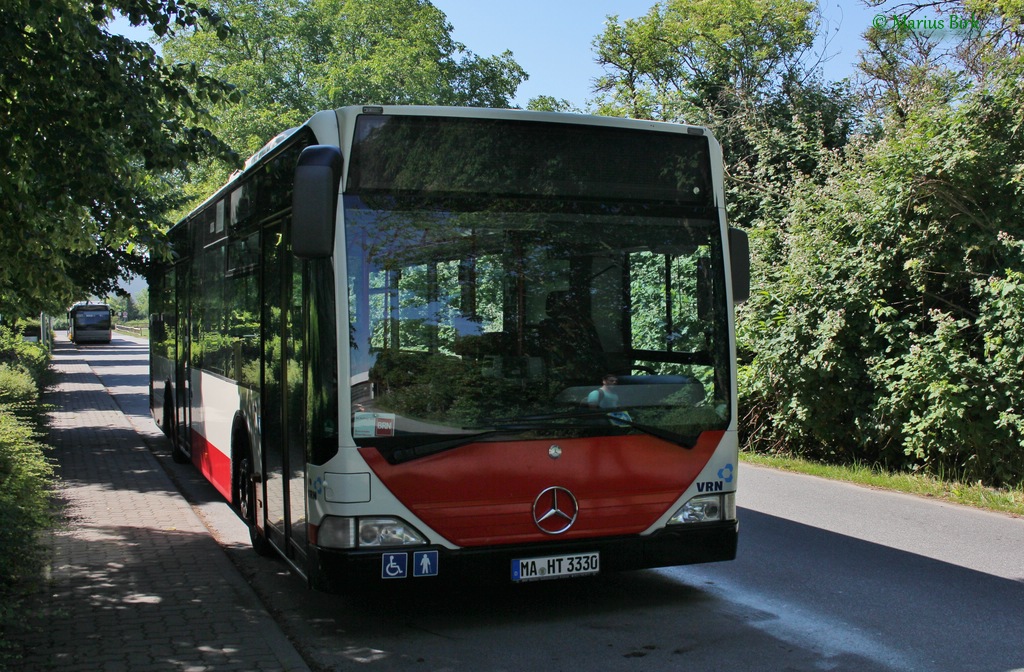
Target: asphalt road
829 577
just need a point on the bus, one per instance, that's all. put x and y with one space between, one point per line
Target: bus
412 343
89 323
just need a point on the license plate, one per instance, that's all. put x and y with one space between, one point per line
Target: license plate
556 566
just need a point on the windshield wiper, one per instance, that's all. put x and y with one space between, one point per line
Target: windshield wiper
623 418
409 452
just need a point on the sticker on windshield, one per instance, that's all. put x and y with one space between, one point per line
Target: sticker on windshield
367 425
620 418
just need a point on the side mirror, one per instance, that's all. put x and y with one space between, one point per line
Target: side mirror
315 201
739 263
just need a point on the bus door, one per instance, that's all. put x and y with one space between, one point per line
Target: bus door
283 407
182 360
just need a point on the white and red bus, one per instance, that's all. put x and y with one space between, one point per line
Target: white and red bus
419 342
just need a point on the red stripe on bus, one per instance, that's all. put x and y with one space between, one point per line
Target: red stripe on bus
214 464
483 493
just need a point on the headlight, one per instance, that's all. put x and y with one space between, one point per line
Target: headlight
706 509
335 532
387 532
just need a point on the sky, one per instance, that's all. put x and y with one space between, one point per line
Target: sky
553 39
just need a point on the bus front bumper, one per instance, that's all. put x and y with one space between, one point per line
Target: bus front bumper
338 571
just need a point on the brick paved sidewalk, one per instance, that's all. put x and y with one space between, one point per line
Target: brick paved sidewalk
138 582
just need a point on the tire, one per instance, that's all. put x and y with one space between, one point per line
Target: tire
245 503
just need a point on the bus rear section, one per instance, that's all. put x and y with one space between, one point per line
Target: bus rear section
90 323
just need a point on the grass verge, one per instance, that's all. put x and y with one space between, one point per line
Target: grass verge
1008 500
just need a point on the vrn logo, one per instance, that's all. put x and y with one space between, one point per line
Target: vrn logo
725 475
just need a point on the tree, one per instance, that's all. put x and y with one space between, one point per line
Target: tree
643 75
688 58
88 120
551 104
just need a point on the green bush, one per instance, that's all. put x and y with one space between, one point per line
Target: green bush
25 478
25 475
888 323
32 357
16 386
19 393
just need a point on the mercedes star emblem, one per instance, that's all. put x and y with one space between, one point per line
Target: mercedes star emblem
555 510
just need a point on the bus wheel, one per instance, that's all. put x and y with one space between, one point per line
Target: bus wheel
245 500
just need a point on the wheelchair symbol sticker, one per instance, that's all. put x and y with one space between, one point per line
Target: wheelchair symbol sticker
394 566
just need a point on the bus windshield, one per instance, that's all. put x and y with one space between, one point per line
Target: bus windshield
554 311
92 318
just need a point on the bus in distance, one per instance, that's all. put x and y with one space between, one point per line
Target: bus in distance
89 323
410 343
